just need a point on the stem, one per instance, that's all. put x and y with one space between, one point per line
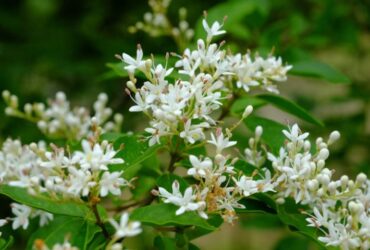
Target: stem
143 202
174 158
226 108
99 222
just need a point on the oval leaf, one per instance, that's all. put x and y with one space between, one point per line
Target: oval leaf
291 108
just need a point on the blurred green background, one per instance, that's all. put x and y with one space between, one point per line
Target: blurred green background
52 45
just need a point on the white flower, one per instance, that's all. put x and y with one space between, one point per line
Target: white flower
134 64
193 133
45 217
186 202
3 222
295 135
22 214
111 182
220 141
200 168
80 182
65 246
126 228
96 157
212 31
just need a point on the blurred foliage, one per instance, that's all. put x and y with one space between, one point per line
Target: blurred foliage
46 46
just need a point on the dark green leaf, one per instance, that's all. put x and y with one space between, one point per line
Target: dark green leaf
290 107
134 150
79 232
318 70
43 202
272 131
166 181
291 215
214 219
240 104
164 243
165 215
255 206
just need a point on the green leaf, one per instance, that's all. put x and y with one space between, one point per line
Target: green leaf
240 104
165 215
319 70
79 232
245 167
166 181
43 202
6 244
290 107
214 219
134 150
272 131
290 214
255 206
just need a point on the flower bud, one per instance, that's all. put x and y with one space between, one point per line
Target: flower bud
247 111
323 154
361 178
259 131
334 136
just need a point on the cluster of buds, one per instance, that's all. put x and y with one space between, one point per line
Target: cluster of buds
340 207
156 23
219 187
59 120
210 74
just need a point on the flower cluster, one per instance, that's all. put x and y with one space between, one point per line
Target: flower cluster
59 120
340 207
209 74
40 245
218 189
55 172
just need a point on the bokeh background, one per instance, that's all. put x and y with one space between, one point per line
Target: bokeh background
52 45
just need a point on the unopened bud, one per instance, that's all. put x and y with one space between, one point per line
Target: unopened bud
131 86
6 94
361 178
247 111
259 131
334 136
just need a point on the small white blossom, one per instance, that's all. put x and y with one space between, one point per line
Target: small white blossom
126 228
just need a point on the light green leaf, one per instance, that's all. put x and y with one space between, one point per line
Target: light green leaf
79 232
43 202
272 131
118 69
290 107
165 215
319 70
